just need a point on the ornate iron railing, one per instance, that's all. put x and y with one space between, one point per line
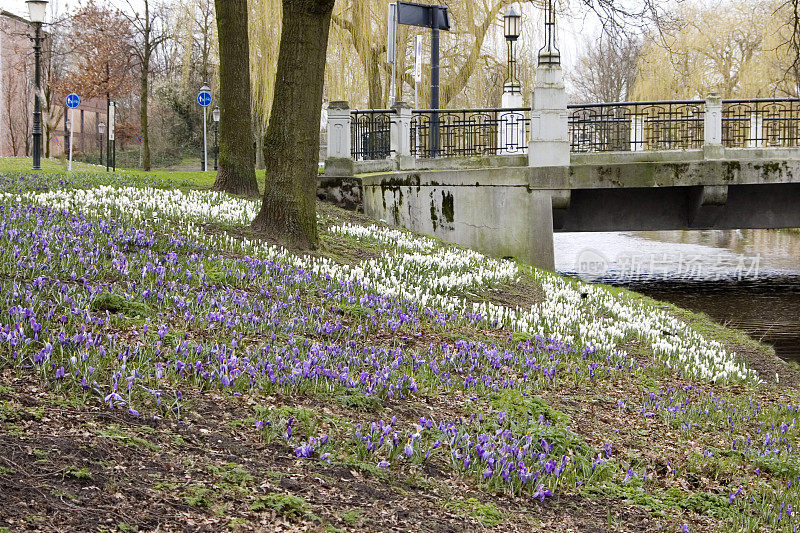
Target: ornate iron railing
370 132
761 122
604 127
469 132
635 126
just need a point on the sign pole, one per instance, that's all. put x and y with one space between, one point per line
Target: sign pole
204 99
436 18
417 69
392 53
417 79
109 129
434 81
71 135
73 101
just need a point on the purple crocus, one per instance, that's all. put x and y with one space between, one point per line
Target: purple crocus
541 492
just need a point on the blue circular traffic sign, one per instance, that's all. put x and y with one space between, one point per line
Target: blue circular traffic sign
73 101
204 98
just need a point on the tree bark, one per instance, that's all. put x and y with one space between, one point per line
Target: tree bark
236 172
291 149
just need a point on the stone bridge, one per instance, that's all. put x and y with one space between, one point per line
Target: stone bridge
502 181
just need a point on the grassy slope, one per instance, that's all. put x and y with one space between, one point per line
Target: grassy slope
194 178
69 461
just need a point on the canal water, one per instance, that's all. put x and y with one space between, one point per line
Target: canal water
746 279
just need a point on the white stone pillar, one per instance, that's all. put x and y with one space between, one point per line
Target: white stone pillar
339 143
549 144
756 137
400 135
713 120
712 134
339 161
511 138
637 133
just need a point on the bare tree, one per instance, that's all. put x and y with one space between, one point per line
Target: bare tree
151 32
788 12
607 69
204 35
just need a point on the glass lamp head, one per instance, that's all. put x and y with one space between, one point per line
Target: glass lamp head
511 24
37 9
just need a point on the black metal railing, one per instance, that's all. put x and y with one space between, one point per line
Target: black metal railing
370 132
469 132
602 127
635 126
761 122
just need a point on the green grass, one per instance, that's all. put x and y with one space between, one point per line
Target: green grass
189 178
487 514
284 504
114 304
50 166
198 496
78 473
114 432
352 517
232 475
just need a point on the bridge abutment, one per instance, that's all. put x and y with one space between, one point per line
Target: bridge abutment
504 219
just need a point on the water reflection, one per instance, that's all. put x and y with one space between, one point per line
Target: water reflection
749 279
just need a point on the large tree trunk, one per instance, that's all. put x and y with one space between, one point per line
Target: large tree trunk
291 147
236 172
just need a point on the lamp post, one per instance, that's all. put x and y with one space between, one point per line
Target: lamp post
511 24
215 115
37 9
549 54
101 129
511 124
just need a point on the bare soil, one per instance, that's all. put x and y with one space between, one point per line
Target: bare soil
84 468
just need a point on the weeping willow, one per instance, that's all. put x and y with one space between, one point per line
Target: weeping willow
264 26
735 51
472 61
195 26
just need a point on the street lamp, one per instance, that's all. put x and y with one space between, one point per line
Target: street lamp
511 24
101 129
215 115
37 9
549 54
